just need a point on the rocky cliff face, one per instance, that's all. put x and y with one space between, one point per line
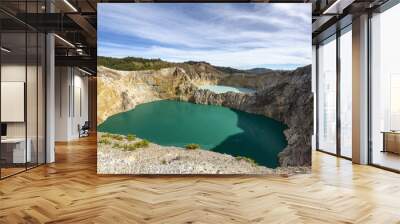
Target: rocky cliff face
282 95
119 91
287 98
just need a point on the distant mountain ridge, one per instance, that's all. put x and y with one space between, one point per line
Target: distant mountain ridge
132 63
258 70
139 64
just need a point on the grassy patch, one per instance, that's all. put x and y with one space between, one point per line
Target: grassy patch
129 147
192 146
106 135
107 138
105 141
125 147
131 137
118 145
249 160
142 144
118 137
113 136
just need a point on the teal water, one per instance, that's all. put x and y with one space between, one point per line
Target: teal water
223 89
216 128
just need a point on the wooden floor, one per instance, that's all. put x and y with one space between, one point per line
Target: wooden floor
5 172
387 159
69 191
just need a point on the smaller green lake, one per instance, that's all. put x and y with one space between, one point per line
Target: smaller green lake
224 89
216 128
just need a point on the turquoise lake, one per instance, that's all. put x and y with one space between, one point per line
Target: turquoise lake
224 89
216 128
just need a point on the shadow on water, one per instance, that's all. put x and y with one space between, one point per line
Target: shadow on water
216 128
261 140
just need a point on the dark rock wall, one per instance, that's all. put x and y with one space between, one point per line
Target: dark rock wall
288 98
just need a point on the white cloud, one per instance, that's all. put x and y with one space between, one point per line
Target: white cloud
236 35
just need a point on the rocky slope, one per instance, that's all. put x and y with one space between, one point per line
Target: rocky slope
283 95
157 159
119 91
286 97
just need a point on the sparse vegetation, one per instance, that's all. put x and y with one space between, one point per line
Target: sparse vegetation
118 145
192 146
131 137
119 142
249 160
118 137
126 147
105 141
106 135
129 147
112 136
132 63
142 144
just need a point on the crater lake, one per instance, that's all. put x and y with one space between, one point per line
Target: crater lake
215 128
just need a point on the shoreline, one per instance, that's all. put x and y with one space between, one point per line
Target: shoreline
157 159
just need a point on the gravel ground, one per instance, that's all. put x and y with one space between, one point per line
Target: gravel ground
156 159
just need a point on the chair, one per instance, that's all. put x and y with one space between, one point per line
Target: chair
84 130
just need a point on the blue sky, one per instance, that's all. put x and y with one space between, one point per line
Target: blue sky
244 35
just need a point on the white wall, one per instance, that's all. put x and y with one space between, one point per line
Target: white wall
71 102
33 126
12 73
13 101
62 82
81 103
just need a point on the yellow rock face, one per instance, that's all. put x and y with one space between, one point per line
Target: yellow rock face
119 91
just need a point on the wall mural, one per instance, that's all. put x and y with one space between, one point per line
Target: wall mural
204 88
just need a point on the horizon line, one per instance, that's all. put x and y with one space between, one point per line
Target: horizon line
276 67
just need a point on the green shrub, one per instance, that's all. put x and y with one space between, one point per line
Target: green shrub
249 160
142 144
125 147
118 145
192 146
129 147
118 137
112 136
131 137
105 141
106 135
